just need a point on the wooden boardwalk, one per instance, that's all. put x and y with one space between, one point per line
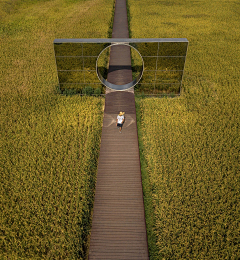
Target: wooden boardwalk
118 225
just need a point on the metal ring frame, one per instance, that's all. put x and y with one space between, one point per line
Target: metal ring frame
114 86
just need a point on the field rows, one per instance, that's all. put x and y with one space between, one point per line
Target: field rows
49 163
190 145
49 142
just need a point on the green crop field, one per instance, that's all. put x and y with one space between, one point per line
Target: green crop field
49 142
190 145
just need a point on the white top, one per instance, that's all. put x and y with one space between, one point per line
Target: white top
120 119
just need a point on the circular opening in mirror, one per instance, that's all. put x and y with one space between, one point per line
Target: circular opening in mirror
119 66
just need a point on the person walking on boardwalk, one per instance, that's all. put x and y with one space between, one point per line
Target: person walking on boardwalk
120 121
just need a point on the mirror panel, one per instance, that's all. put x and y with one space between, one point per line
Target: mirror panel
69 63
93 49
91 77
170 63
89 63
150 63
148 77
163 60
71 77
166 88
68 49
146 48
144 89
168 76
172 48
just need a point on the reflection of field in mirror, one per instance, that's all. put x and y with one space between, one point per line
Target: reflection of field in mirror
103 62
163 64
136 62
76 65
163 67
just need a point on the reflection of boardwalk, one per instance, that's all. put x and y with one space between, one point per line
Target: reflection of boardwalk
120 71
118 226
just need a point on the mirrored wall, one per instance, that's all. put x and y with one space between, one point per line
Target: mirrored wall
163 64
76 65
163 67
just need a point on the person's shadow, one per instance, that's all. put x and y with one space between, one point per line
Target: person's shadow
128 121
